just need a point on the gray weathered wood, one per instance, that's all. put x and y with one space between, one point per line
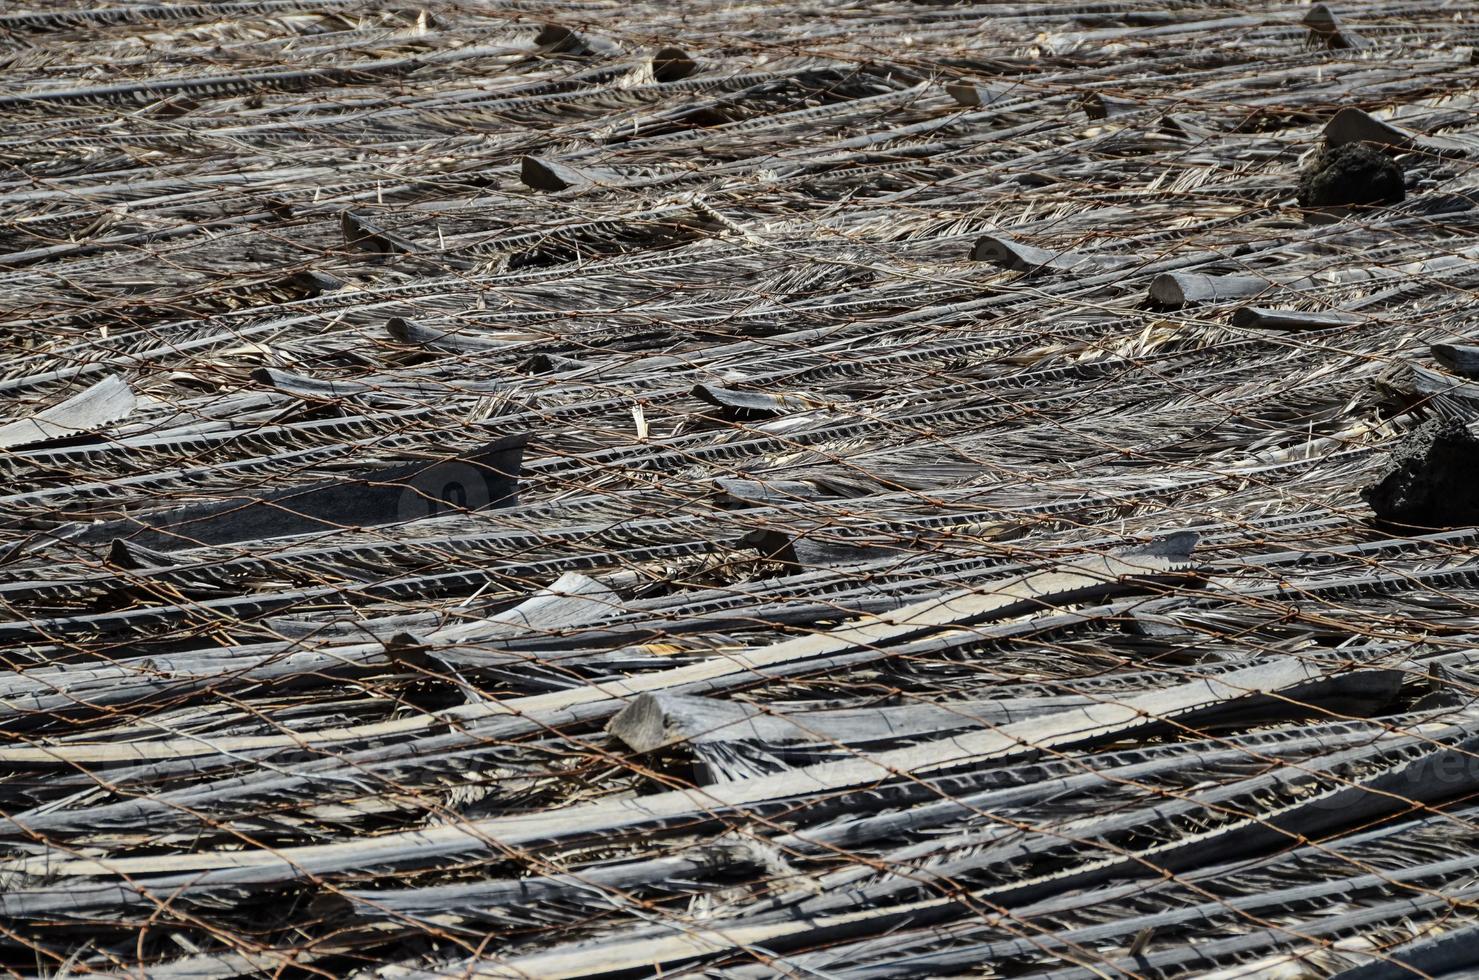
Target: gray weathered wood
1189 288
1265 318
1459 358
1028 258
87 411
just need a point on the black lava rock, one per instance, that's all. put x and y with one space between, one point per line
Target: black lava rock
1432 480
1352 173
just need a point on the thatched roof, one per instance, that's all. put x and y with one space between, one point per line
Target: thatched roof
847 490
